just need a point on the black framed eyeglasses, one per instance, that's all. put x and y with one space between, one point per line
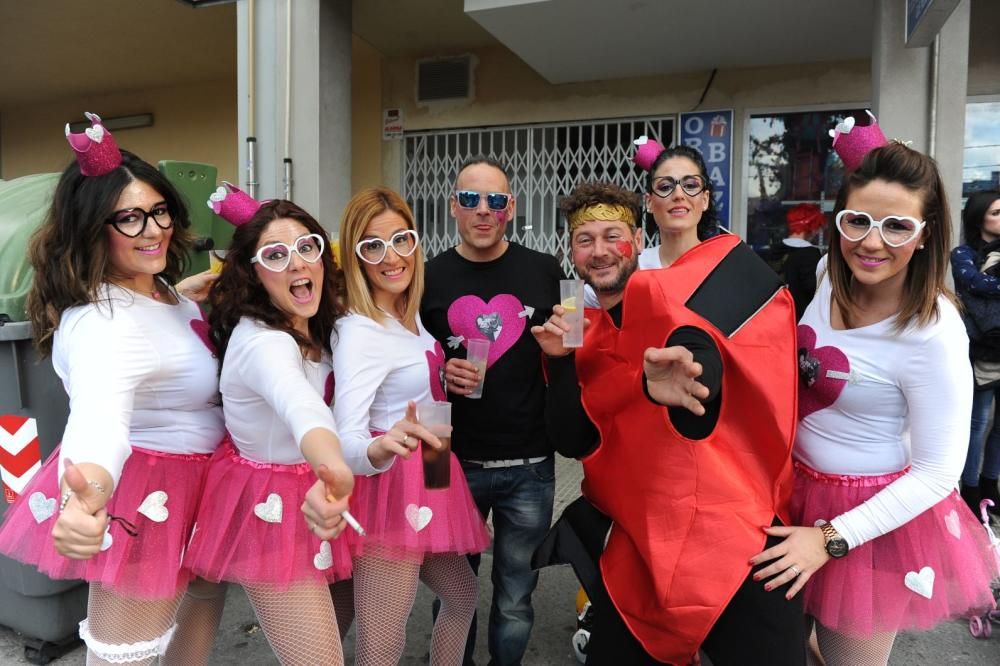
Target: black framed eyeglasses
131 222
470 199
692 185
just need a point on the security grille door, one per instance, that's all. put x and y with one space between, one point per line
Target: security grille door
545 162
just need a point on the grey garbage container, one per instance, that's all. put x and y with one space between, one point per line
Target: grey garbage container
33 412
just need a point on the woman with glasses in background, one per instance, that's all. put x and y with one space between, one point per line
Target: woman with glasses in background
385 363
886 544
273 310
115 504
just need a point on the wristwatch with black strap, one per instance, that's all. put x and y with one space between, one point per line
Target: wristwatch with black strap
836 545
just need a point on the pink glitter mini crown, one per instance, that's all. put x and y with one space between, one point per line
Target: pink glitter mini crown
646 152
95 148
233 204
853 142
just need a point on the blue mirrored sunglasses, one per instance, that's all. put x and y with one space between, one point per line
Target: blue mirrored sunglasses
494 200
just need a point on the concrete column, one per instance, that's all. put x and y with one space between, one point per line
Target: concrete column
919 94
320 103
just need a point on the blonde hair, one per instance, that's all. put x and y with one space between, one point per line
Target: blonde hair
363 207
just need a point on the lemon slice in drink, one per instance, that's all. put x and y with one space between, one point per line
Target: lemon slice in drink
569 305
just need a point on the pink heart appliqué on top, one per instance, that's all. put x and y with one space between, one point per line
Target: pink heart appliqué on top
435 367
496 321
200 328
816 389
328 388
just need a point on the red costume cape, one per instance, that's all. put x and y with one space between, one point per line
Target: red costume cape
687 513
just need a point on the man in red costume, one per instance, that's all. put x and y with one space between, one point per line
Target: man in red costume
681 404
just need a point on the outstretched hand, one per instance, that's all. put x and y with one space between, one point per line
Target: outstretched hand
670 378
322 508
79 530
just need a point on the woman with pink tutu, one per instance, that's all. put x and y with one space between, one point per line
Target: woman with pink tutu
885 543
385 362
273 310
115 504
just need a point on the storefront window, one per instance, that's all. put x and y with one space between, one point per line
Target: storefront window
981 163
791 161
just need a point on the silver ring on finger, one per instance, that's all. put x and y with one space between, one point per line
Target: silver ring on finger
795 570
406 438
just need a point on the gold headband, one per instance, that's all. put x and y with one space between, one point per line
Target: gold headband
604 212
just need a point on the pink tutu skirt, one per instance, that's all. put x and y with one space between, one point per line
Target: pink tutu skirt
158 494
250 528
405 520
935 567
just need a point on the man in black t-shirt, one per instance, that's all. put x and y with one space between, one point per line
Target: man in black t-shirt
488 287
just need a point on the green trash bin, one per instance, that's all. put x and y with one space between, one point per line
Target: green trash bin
33 412
196 181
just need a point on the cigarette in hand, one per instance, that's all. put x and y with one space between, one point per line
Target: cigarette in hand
349 519
353 522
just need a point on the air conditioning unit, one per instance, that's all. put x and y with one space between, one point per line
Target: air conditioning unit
445 79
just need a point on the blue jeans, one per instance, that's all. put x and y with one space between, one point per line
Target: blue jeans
521 501
982 402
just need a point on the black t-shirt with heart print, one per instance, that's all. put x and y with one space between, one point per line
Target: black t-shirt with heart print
499 300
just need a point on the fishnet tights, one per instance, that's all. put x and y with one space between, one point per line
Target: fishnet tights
839 650
197 623
299 623
384 594
117 620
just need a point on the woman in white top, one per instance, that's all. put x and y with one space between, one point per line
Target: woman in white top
885 393
273 310
385 361
115 504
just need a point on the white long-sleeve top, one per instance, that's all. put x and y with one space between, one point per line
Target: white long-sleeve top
272 396
906 401
137 374
378 368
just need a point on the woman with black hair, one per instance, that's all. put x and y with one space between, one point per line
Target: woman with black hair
273 311
115 505
978 288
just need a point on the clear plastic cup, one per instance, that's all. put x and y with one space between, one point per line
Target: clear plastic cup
571 298
478 353
436 417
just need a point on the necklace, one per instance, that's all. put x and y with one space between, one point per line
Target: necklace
387 313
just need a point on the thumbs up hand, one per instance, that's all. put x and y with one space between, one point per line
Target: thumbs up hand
79 530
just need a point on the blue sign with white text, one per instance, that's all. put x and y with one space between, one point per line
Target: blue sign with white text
711 132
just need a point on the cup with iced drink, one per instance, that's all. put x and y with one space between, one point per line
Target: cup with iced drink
478 353
436 417
571 299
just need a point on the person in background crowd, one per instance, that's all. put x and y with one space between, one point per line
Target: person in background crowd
973 267
800 255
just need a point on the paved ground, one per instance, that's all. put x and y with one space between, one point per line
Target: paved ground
241 642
